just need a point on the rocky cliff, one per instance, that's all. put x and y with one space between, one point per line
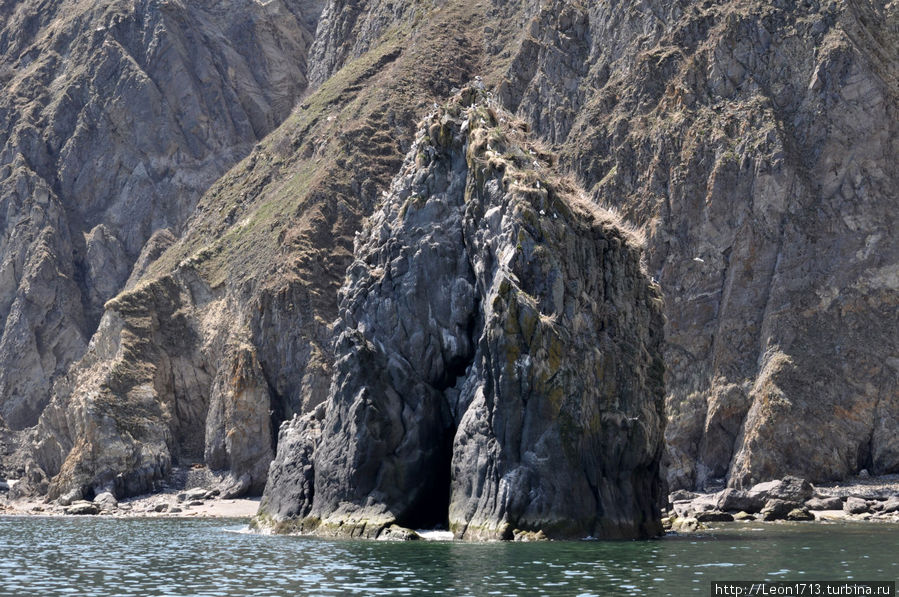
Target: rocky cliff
115 117
498 358
224 330
752 142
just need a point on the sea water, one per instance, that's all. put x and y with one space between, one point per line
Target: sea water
146 557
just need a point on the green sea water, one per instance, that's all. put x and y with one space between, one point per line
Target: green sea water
147 557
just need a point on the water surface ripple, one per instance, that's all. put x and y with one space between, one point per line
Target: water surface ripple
149 557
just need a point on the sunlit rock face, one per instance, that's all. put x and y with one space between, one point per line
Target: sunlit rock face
498 362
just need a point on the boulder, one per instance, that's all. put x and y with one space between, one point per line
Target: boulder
737 499
790 489
681 495
81 508
197 493
714 516
743 517
686 525
398 533
800 514
824 503
777 509
69 498
854 505
703 502
232 487
891 505
106 501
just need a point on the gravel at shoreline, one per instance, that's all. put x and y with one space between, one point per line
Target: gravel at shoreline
158 505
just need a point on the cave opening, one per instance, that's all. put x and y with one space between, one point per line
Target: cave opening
431 508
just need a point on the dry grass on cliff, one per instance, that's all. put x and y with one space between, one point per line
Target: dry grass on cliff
288 212
506 143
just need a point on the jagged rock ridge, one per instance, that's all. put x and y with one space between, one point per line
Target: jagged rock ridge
498 361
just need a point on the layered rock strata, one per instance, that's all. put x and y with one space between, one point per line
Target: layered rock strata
224 330
114 118
498 364
755 143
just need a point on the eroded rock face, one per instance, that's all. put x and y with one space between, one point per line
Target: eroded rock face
223 329
116 117
498 364
755 143
166 380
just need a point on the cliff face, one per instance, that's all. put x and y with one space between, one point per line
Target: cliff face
115 117
224 331
752 142
498 365
762 174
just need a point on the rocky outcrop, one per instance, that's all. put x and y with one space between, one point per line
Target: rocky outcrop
754 143
498 360
223 329
114 118
861 499
147 395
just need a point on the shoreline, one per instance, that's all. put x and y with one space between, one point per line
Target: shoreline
155 505
688 511
791 499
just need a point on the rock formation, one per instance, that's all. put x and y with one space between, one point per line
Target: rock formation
498 365
754 143
116 117
158 305
223 329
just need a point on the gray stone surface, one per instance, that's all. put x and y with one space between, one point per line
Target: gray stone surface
756 144
736 499
497 364
777 509
714 516
233 487
800 515
890 505
116 118
82 508
792 489
753 143
854 505
824 503
106 501
228 330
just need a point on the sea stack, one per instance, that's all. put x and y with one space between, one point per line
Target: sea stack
498 357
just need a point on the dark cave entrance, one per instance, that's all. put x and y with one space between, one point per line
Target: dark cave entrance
431 508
